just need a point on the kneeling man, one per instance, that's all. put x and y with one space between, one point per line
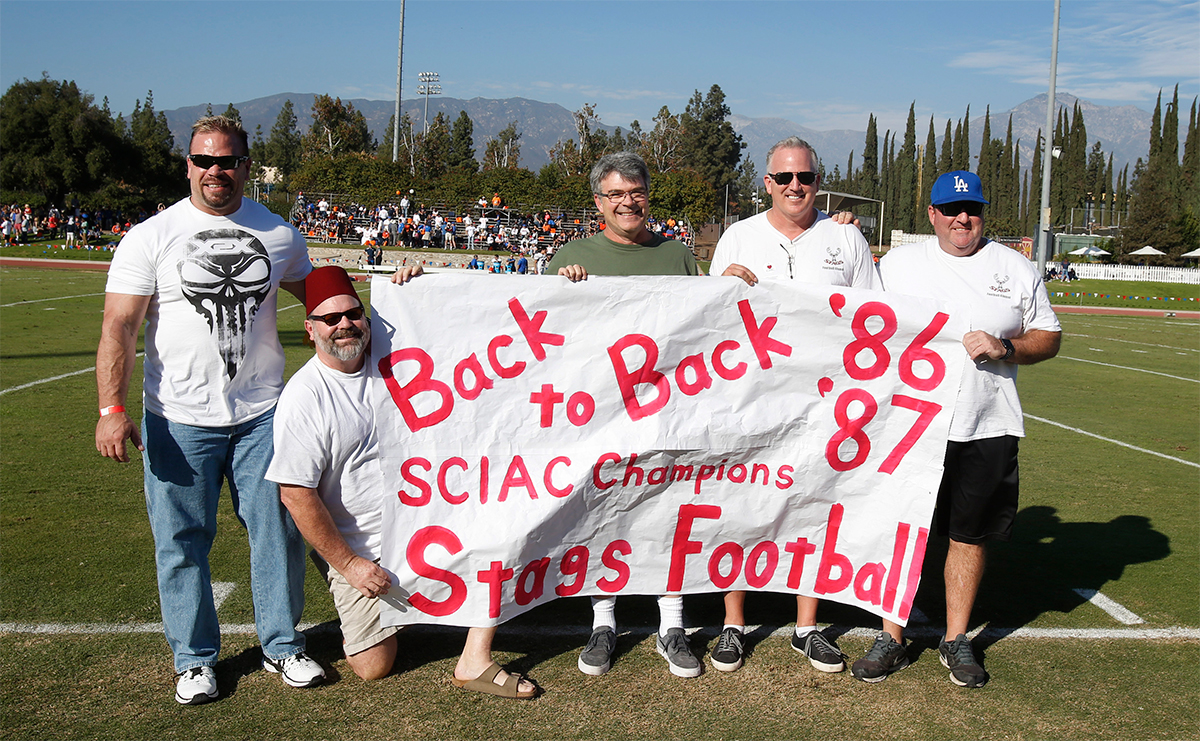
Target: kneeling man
327 466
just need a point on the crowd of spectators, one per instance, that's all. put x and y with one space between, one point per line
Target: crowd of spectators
76 227
489 225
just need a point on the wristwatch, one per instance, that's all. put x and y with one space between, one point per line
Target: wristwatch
1009 350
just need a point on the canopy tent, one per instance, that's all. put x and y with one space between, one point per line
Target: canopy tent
1147 250
830 201
1193 253
1089 251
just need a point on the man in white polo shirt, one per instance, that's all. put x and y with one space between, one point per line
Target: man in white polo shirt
791 241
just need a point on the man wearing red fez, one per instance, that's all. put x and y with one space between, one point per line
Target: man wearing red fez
327 466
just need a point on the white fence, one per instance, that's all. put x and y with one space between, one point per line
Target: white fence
1155 273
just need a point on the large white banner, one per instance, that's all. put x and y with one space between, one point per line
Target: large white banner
651 435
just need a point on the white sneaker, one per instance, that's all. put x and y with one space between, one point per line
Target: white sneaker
298 670
196 686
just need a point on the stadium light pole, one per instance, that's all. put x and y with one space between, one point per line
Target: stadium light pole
428 87
1043 236
399 78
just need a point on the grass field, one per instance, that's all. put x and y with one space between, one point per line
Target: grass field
1109 504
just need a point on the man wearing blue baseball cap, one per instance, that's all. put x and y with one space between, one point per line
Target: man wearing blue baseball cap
1002 295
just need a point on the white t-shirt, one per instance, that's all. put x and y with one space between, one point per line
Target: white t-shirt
826 253
325 439
213 357
1001 293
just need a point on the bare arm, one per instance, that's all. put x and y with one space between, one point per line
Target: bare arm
123 316
1032 347
317 527
296 288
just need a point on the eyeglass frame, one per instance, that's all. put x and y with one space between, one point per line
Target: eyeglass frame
617 197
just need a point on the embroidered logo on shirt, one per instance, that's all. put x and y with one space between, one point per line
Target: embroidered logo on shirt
997 288
832 262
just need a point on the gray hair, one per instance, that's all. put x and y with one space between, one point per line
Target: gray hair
626 164
794 142
223 124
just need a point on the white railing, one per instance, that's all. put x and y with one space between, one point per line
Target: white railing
1154 273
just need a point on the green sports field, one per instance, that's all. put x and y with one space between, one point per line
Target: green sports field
1109 512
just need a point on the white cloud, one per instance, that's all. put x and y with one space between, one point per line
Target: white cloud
1107 51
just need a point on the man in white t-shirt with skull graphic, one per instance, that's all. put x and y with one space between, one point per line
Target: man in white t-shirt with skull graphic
204 275
1003 297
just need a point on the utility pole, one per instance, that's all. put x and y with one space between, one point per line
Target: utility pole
1043 235
399 77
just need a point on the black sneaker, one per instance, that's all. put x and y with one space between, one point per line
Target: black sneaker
596 657
727 654
822 653
674 648
959 658
886 656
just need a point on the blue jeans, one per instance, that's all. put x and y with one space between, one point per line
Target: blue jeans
185 466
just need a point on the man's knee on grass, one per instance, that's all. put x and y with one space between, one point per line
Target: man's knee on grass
375 662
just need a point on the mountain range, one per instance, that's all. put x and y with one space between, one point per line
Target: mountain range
1123 131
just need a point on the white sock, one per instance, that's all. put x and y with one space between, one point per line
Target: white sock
604 613
803 630
738 628
670 613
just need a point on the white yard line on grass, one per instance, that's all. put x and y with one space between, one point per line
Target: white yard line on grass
59 298
1125 367
221 591
1114 442
1109 605
582 631
1132 342
52 378
91 369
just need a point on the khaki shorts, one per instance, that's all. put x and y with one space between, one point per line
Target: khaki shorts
361 628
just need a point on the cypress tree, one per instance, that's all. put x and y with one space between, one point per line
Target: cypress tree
928 175
869 177
1033 196
946 158
985 169
1190 172
906 176
964 162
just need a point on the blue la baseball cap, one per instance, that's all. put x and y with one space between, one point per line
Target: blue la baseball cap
959 185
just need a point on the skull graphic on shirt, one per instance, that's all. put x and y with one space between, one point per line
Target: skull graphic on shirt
226 276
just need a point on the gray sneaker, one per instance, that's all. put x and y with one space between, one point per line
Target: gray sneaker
959 658
596 657
822 653
886 656
674 648
727 654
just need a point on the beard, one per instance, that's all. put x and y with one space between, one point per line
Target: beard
345 351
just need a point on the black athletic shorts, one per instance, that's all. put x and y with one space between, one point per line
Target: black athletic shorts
977 500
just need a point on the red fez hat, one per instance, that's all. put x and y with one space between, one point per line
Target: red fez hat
325 283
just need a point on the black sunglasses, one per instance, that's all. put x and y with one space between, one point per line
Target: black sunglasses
335 318
783 178
953 209
224 161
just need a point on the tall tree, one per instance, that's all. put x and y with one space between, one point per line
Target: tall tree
711 147
928 175
462 145
869 176
504 150
337 129
232 113
435 148
946 158
283 147
906 180
1190 170
661 147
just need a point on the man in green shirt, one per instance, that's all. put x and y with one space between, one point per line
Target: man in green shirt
621 187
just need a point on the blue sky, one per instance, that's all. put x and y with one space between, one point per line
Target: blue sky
820 63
